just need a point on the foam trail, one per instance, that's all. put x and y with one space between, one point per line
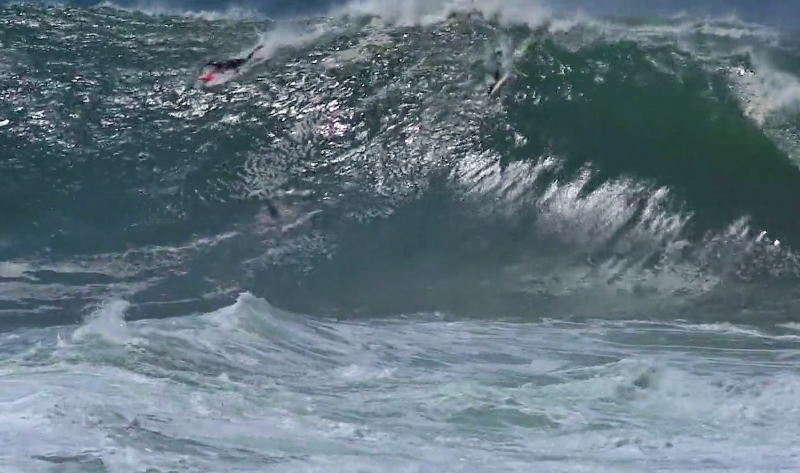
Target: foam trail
268 45
513 12
510 54
229 12
769 89
418 12
406 13
280 37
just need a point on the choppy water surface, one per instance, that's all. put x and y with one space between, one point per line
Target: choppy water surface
595 271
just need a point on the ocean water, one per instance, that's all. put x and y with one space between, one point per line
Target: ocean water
595 270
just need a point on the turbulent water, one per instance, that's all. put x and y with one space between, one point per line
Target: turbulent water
595 270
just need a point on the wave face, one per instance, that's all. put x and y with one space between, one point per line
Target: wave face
631 192
632 155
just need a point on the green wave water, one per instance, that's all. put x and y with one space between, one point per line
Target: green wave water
685 130
594 271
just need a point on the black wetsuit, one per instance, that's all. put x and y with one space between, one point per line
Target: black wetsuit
273 211
498 66
227 65
232 63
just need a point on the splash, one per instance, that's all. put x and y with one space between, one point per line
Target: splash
107 323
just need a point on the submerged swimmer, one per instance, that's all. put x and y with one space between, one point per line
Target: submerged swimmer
219 67
498 56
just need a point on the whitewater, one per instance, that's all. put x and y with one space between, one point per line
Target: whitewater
595 270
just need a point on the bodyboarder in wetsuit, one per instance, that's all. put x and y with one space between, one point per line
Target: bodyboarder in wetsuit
218 67
498 56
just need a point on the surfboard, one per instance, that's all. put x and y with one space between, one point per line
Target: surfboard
214 78
499 85
299 220
289 217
